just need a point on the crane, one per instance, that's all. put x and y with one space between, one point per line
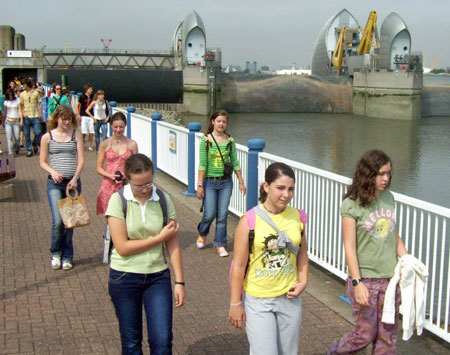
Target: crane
336 58
367 35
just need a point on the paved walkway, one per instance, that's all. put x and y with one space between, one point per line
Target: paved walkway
43 311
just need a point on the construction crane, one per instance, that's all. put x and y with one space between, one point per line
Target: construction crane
367 35
336 58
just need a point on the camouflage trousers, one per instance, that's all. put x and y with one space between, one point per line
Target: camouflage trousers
368 326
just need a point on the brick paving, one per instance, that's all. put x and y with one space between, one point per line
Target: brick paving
46 311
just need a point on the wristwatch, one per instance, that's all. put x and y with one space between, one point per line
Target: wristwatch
355 282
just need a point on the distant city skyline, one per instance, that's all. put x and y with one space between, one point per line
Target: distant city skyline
270 33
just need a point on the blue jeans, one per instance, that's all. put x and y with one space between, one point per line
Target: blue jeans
33 123
216 202
129 292
61 243
103 126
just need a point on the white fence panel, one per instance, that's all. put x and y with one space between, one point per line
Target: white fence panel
172 150
423 227
238 201
198 139
141 132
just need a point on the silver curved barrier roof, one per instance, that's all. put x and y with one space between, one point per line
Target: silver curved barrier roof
392 25
321 61
191 21
175 37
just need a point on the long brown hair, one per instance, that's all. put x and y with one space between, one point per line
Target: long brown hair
62 111
273 172
363 185
9 95
213 117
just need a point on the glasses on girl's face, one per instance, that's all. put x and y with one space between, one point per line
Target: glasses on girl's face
142 187
57 88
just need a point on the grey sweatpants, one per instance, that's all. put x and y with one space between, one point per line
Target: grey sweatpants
273 324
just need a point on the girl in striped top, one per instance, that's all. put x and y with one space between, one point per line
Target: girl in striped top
62 156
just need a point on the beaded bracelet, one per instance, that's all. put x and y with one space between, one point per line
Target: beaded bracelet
235 304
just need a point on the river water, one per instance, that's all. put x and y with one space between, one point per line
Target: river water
420 149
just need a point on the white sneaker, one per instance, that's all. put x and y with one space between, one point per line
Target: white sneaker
222 251
201 242
56 262
67 265
90 148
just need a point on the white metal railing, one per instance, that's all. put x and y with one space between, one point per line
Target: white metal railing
422 225
141 132
172 150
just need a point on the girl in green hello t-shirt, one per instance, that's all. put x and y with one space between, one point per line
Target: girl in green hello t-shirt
372 245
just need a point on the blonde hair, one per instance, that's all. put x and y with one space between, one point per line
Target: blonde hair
62 111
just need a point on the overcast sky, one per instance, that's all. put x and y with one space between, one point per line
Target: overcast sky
271 32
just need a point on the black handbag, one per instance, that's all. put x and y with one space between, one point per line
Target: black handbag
228 168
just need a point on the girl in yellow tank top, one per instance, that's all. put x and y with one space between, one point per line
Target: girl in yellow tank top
272 269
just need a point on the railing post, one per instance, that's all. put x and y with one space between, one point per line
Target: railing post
193 127
155 118
130 110
112 104
255 146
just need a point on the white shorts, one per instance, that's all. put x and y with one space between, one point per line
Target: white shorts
87 125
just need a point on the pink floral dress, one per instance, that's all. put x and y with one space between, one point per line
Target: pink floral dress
114 162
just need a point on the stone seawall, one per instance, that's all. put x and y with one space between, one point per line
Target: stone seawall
290 93
436 100
297 93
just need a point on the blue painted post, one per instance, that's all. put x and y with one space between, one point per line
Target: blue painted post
130 110
255 146
112 104
193 127
155 118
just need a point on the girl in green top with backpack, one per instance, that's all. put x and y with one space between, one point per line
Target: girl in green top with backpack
218 160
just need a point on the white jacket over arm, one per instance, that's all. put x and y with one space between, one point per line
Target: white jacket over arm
413 282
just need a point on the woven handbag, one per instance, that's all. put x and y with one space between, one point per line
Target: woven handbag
74 210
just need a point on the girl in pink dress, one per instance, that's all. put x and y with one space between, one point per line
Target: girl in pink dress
115 151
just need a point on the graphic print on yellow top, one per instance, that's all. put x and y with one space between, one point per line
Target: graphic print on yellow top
273 270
